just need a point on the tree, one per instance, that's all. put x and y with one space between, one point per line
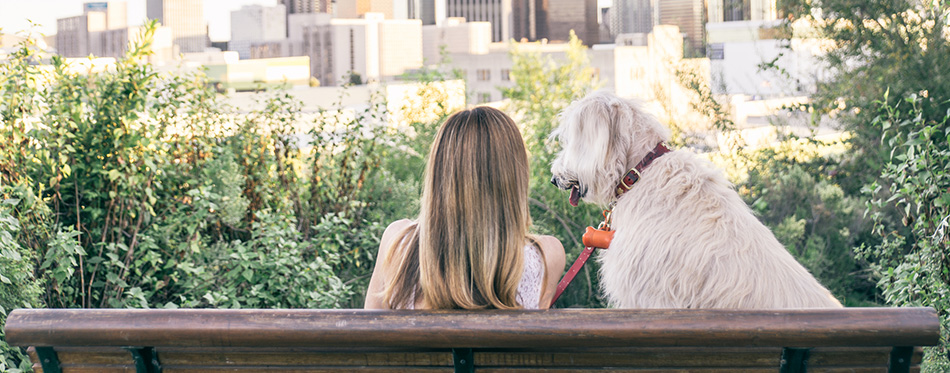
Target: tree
542 87
890 86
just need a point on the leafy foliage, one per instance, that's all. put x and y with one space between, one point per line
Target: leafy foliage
912 259
133 188
542 88
890 87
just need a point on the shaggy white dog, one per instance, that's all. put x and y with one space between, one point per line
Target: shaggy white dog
684 238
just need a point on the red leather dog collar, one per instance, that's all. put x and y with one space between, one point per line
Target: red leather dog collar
633 176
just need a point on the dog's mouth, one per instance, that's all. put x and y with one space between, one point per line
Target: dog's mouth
573 186
575 195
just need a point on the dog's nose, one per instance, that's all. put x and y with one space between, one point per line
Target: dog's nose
554 181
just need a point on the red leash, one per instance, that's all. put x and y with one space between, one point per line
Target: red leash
600 238
593 239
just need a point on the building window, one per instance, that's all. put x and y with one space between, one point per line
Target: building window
506 75
352 53
716 51
483 75
484 97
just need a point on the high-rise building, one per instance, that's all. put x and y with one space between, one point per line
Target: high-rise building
431 12
455 35
372 48
690 17
307 6
74 34
102 31
529 19
186 20
358 8
632 16
255 23
562 16
116 12
641 16
497 12
534 20
741 10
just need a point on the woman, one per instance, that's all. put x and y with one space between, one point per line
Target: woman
469 247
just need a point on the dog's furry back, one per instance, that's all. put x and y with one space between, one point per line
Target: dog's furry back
684 238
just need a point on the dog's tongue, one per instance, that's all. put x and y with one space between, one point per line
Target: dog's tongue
575 196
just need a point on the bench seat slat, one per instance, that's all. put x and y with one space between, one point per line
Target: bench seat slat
475 329
832 359
839 340
692 370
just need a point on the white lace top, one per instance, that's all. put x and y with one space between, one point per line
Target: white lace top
529 289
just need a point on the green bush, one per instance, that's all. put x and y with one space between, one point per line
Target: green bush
813 217
134 188
912 258
18 286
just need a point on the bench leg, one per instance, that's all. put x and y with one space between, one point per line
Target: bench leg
48 359
464 360
146 360
900 359
794 360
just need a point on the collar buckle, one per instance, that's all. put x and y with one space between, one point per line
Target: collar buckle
630 178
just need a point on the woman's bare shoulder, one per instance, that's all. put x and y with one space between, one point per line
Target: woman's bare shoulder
381 272
550 245
397 226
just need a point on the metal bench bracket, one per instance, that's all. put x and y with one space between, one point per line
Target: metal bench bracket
146 360
900 359
794 360
48 359
464 360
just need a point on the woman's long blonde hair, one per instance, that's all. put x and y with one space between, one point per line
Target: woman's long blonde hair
466 249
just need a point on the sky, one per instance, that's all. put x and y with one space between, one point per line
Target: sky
14 14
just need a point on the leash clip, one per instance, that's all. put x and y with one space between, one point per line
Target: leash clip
605 225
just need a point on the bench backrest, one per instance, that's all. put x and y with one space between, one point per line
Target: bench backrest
101 340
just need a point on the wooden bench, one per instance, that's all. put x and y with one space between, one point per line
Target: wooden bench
568 340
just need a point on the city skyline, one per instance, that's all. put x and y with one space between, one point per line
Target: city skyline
14 14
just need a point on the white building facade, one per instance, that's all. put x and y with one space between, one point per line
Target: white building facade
186 18
254 24
102 31
350 50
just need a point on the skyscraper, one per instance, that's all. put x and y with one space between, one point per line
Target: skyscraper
255 23
641 16
431 12
554 19
529 19
307 6
497 12
632 16
690 16
741 10
566 15
74 35
185 18
358 8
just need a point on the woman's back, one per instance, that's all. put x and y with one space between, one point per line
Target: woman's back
466 249
544 263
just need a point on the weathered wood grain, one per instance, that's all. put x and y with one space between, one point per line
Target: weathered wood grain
473 329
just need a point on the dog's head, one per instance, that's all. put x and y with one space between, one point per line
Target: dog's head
601 136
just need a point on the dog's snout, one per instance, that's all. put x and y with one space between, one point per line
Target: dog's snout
554 180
